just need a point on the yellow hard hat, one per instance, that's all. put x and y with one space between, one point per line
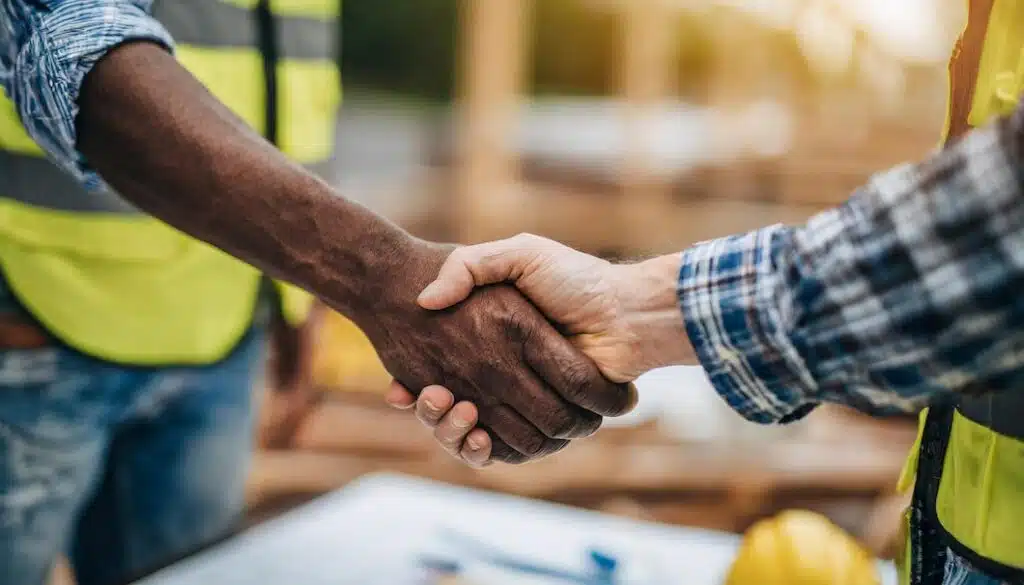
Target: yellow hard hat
801 548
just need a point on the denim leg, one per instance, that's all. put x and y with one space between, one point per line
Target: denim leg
961 572
52 442
176 469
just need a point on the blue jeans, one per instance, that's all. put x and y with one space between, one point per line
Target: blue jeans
122 468
960 572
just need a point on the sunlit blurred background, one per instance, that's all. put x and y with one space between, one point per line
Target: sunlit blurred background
624 128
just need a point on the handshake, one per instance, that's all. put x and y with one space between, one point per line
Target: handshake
545 347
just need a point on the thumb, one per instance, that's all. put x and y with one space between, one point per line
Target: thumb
472 266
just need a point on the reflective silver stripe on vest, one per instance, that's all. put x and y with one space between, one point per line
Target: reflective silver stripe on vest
38 182
213 23
1003 412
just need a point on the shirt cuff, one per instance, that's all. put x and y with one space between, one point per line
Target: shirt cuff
737 314
53 61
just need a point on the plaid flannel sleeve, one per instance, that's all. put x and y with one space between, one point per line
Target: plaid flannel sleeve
913 288
46 49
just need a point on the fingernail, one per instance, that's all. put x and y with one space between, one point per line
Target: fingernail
474 444
459 422
431 406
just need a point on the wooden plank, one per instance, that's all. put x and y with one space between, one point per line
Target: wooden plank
594 466
836 457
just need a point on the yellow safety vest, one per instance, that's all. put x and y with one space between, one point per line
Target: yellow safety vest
979 504
123 286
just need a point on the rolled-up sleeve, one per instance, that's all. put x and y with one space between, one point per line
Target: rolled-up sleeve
733 300
46 49
909 291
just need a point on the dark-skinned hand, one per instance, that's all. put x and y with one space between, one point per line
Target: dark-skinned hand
534 391
170 148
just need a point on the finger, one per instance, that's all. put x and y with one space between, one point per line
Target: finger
502 453
516 432
476 449
574 376
451 432
399 397
545 408
434 402
471 266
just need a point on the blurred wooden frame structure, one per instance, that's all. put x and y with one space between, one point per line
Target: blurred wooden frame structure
494 57
637 471
492 200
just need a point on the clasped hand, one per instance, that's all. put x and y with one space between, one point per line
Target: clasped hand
623 317
532 390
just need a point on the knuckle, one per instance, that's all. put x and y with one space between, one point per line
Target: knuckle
444 436
579 379
561 426
426 416
565 423
532 444
424 420
620 399
473 460
587 423
520 325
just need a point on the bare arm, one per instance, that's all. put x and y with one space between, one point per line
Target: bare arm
97 88
168 146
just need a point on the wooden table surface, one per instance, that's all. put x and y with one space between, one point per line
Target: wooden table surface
836 460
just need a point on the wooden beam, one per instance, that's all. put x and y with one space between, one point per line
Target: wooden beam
493 55
646 80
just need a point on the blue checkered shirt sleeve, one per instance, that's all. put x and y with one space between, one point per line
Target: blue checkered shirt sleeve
46 49
912 289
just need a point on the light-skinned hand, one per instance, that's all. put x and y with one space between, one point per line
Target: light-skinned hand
624 317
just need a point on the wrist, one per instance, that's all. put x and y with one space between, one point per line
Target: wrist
647 294
392 276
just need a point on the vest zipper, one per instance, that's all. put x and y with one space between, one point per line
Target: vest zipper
267 29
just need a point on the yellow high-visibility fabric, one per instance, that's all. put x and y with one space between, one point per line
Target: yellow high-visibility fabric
983 469
130 289
980 502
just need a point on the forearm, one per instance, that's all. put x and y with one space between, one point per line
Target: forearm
907 292
168 146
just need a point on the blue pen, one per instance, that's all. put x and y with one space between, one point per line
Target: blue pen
604 566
